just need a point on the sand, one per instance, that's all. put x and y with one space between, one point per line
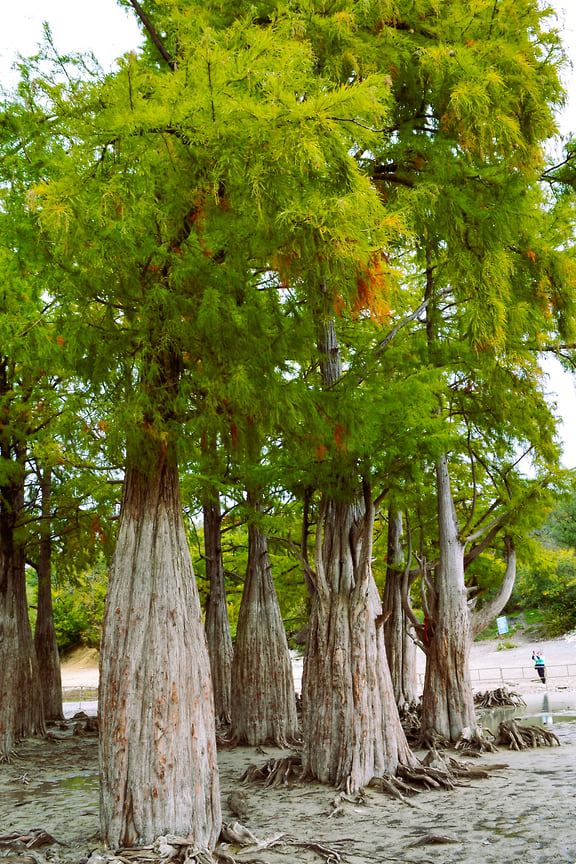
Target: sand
525 812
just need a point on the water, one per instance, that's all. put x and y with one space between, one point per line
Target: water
90 707
555 712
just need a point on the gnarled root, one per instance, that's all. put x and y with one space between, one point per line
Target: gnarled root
499 698
473 742
430 739
411 720
275 772
510 734
437 771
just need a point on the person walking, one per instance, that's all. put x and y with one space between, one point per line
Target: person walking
539 665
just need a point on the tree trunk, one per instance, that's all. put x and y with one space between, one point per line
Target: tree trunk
400 648
21 707
158 764
45 633
351 726
448 702
220 648
263 695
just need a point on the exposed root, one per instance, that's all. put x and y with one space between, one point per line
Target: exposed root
222 853
276 772
394 787
435 772
429 739
237 834
473 742
411 720
458 769
171 848
8 757
499 698
341 798
433 840
33 839
516 737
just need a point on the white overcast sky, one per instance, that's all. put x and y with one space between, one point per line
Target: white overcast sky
108 30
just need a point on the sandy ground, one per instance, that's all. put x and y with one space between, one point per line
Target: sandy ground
524 813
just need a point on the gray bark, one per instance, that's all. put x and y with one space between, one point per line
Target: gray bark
350 721
158 763
45 642
21 706
400 647
263 695
351 727
447 702
220 647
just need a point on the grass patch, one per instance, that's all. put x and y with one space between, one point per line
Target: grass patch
503 646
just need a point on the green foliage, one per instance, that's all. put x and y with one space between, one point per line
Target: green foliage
548 584
175 236
292 594
561 524
79 609
504 646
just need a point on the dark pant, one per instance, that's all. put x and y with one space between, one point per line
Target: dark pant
542 672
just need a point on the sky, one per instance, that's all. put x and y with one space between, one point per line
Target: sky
108 30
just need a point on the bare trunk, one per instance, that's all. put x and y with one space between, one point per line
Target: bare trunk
158 765
21 708
447 702
220 648
263 696
400 647
351 726
45 633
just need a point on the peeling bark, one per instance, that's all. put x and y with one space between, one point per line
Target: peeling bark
219 638
263 695
158 765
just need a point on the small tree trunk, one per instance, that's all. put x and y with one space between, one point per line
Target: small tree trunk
448 702
158 765
21 706
351 726
263 695
45 641
220 648
400 648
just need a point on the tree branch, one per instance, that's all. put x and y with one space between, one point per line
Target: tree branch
481 619
154 35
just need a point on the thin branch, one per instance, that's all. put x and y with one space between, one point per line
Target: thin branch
154 35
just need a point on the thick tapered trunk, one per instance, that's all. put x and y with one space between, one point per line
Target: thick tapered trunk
21 706
218 636
158 766
447 702
350 720
45 641
400 647
263 695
